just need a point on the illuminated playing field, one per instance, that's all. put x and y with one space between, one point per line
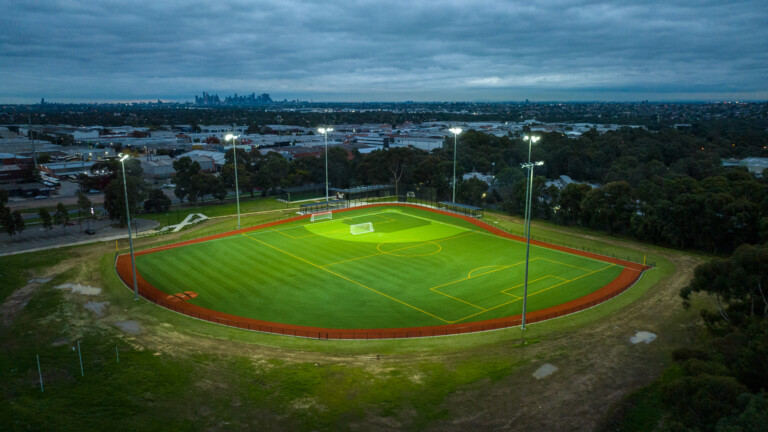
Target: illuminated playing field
418 268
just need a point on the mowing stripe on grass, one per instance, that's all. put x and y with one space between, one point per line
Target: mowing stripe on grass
346 278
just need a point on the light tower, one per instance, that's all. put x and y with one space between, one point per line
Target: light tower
123 157
325 131
529 194
455 131
234 137
532 139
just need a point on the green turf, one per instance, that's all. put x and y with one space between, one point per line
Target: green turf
417 268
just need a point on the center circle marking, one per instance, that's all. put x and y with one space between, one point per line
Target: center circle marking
403 251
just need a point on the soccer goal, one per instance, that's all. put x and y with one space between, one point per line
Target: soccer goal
321 215
361 228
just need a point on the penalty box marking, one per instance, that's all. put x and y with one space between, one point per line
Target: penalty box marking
335 231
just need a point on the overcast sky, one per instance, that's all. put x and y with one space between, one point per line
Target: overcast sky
383 50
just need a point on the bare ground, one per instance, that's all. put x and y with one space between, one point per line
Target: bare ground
16 302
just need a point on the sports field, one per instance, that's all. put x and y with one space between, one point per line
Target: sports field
417 268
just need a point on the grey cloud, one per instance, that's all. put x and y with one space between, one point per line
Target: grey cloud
373 50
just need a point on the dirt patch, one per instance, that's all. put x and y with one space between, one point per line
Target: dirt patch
39 280
79 288
130 327
643 336
545 370
96 307
16 302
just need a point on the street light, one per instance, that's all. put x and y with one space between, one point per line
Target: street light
455 131
128 217
531 140
529 194
325 131
237 189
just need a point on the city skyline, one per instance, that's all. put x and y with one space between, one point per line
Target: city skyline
83 51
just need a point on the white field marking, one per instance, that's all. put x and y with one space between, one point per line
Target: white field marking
507 239
262 231
314 223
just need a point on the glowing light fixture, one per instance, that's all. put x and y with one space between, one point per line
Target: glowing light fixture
455 131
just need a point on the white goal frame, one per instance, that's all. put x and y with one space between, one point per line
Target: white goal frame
361 228
321 216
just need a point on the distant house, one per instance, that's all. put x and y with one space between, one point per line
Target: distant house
474 174
157 168
210 161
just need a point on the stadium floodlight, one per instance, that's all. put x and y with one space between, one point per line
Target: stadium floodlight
529 195
123 157
325 131
234 137
455 131
532 139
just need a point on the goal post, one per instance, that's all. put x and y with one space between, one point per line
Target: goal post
321 215
361 228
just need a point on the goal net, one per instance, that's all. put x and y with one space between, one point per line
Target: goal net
321 216
361 228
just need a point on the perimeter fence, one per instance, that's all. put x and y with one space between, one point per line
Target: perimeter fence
631 273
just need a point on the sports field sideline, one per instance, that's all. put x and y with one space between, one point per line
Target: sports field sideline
417 268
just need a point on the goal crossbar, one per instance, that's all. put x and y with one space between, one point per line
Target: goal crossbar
321 215
361 228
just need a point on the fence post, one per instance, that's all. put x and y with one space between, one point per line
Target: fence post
39 372
79 354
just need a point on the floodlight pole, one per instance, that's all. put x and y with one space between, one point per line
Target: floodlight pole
325 131
456 131
528 234
237 188
130 237
531 140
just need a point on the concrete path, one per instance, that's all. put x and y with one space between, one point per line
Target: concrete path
34 238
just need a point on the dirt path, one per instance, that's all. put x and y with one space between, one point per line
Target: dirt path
16 302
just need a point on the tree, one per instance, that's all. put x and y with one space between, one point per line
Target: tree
185 168
45 217
739 283
5 212
8 222
157 202
570 202
473 190
273 170
114 197
206 184
17 222
701 400
61 216
339 171
610 206
83 205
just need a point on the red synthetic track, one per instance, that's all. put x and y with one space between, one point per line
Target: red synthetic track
626 279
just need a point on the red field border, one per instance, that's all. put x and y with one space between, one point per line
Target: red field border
631 273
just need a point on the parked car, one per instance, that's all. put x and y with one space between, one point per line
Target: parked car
90 231
41 197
